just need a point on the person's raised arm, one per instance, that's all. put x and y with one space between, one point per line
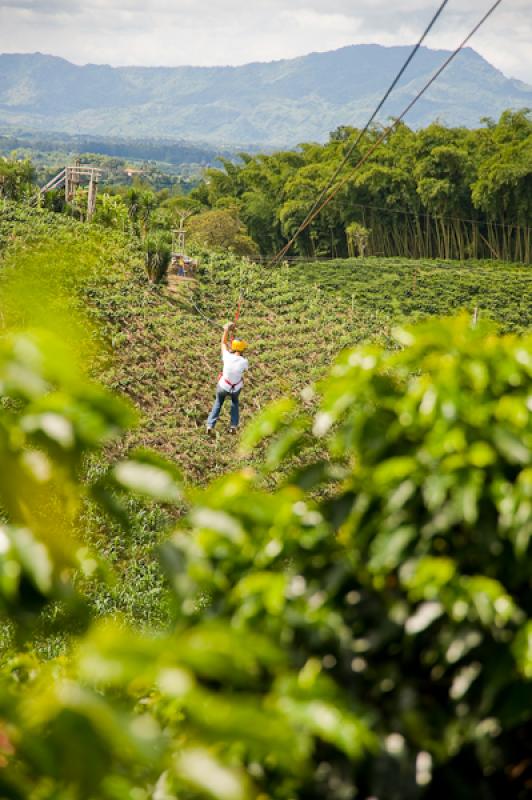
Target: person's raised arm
225 336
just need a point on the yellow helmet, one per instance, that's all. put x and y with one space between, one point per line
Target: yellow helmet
239 345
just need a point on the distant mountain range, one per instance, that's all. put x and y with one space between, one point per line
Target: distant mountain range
280 103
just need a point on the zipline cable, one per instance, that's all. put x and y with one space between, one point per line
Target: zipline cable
349 152
211 321
205 317
322 201
318 207
363 132
368 124
238 309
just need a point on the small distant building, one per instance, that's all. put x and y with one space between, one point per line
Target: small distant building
133 173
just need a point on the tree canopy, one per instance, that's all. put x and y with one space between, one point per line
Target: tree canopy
437 192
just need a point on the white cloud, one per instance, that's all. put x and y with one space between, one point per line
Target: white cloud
175 32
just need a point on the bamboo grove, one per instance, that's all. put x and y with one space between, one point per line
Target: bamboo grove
440 192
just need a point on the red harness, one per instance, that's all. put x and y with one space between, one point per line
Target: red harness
232 385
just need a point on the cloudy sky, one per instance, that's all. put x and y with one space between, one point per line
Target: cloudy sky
175 32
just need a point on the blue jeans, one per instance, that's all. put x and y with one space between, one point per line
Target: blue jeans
221 394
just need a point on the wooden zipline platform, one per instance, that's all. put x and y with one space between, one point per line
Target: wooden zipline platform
71 178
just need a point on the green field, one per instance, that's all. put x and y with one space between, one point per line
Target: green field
162 354
297 318
298 631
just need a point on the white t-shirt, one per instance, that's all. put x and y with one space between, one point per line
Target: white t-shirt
233 370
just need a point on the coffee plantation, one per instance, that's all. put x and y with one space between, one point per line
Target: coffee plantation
336 606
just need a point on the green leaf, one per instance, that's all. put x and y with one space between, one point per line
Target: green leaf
201 769
388 549
151 478
522 650
270 586
426 577
331 724
268 422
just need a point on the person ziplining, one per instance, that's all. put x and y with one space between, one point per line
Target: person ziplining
231 380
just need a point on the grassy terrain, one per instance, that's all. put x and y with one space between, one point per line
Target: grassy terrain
404 288
296 319
162 353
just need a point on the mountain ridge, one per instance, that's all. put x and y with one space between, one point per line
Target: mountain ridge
279 103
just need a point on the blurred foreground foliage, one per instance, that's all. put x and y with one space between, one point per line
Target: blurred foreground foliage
361 630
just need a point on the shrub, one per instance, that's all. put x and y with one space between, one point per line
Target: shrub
362 629
16 178
221 229
394 570
158 252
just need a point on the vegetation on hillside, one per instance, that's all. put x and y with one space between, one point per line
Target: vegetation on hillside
393 569
338 606
389 580
165 354
435 193
168 151
159 164
16 178
274 104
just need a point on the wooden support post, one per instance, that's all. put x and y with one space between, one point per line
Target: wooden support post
91 198
179 234
75 179
67 185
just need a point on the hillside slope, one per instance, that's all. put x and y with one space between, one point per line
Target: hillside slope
278 103
162 354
